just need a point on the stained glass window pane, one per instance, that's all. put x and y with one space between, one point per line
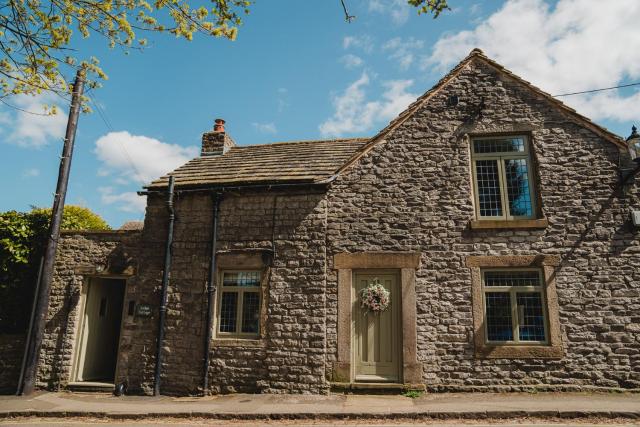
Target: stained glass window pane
530 315
242 278
499 145
488 188
250 312
498 307
228 311
517 179
512 278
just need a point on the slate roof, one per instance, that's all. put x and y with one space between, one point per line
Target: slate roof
279 163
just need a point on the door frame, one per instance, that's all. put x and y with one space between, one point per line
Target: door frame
80 323
406 263
354 299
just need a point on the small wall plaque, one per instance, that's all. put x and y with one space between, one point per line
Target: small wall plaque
144 310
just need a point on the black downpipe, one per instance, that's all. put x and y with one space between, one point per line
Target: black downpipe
211 288
165 284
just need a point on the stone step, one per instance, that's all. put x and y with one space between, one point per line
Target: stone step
90 387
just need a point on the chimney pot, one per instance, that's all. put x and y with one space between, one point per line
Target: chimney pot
219 126
216 142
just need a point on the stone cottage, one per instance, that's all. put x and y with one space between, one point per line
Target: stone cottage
497 222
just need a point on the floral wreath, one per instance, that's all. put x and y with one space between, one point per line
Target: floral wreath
375 298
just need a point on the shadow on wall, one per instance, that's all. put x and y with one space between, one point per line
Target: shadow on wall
11 348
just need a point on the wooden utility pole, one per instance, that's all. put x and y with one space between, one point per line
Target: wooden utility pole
36 334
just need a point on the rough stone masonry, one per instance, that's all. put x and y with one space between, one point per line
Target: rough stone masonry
409 190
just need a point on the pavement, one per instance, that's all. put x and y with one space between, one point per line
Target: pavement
440 406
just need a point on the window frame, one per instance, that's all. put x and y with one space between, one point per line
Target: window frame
500 159
515 317
240 290
549 265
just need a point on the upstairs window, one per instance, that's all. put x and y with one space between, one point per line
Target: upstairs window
239 304
502 178
514 306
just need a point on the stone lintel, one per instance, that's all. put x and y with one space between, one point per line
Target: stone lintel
365 260
513 261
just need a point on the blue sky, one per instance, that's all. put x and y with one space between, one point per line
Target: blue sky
299 71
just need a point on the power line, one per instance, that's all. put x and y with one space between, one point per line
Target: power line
597 90
107 123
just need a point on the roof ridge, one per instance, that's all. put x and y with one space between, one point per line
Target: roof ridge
477 53
412 108
616 139
304 141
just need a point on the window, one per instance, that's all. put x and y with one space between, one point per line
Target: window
502 178
514 307
239 304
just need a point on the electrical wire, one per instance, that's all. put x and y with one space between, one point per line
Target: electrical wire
597 90
107 123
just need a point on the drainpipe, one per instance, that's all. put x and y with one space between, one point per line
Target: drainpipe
165 284
211 288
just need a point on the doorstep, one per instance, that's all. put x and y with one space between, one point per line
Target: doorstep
90 386
374 388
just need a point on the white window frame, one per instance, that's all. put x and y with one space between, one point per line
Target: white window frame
515 316
500 158
240 290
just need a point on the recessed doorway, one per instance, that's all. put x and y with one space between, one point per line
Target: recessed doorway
99 332
377 337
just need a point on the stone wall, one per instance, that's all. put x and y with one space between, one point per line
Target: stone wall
289 357
413 193
81 255
11 349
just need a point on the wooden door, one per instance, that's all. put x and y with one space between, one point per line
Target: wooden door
101 330
376 337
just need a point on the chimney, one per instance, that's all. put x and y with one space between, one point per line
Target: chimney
216 142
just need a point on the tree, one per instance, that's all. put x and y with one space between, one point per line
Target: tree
36 35
22 240
436 7
73 218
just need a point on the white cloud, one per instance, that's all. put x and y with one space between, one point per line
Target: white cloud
351 61
265 127
363 42
35 130
139 158
398 10
353 113
403 51
282 99
475 9
128 201
30 173
571 47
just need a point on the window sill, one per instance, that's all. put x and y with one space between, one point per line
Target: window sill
489 351
238 342
490 224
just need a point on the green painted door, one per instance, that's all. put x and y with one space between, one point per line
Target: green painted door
376 337
101 330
